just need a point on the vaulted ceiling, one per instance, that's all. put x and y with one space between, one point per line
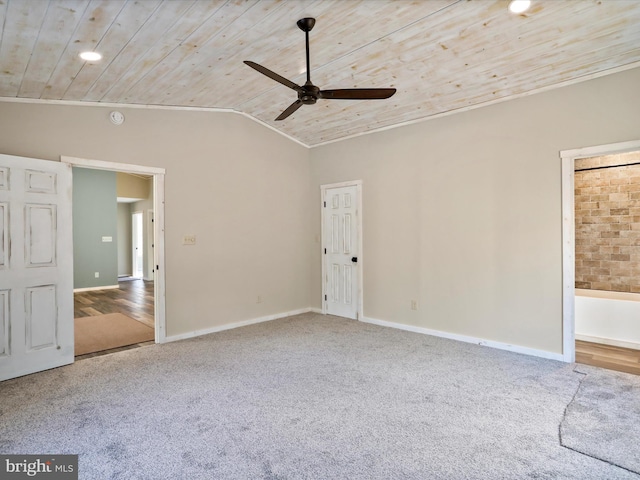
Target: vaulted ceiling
441 55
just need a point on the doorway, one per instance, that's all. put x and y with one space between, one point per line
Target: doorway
157 176
569 159
137 252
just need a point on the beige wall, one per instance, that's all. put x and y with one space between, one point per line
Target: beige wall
463 213
241 188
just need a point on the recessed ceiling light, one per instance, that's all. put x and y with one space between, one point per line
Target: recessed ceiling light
90 56
519 6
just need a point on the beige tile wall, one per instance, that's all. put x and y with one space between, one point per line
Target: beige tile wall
607 215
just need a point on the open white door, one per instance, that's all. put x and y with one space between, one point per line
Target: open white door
137 245
341 248
36 266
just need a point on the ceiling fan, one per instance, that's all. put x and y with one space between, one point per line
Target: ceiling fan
308 94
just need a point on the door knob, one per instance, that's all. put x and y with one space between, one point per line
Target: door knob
354 259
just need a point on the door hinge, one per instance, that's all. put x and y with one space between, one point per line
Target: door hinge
325 204
325 298
157 267
325 251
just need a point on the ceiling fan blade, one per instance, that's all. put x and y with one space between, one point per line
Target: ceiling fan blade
357 93
290 109
274 76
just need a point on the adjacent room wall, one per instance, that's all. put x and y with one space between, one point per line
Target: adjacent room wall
240 188
133 186
94 217
463 213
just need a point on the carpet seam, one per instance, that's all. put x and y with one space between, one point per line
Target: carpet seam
564 414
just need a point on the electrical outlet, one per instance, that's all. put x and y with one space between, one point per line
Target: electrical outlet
97 274
414 305
189 240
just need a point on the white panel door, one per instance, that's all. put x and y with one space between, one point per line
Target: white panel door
341 251
36 266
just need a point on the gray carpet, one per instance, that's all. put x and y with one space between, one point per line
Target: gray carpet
604 418
307 397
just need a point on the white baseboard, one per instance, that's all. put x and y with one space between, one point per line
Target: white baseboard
89 289
463 338
608 341
426 331
229 326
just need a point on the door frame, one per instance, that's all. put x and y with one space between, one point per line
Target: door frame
568 158
158 208
148 247
359 269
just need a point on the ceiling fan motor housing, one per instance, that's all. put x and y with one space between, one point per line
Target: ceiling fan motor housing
309 95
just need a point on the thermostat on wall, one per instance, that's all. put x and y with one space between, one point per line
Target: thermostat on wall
116 118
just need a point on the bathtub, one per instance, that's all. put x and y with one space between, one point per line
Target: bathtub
612 318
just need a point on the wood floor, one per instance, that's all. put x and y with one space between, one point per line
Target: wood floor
605 356
133 298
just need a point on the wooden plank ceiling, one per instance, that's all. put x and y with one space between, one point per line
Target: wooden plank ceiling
441 55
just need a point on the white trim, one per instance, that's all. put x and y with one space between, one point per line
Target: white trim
120 167
91 289
149 273
360 295
316 310
601 150
568 158
349 183
464 338
159 285
158 208
608 341
230 326
76 103
568 262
